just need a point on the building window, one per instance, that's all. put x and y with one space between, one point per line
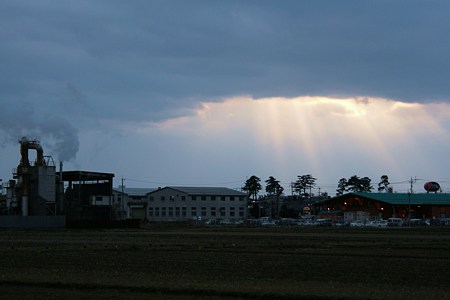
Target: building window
241 198
172 198
193 211
203 211
150 211
98 198
183 198
241 212
163 198
222 211
213 198
204 198
170 211
222 198
163 212
151 198
183 211
194 198
213 211
156 211
231 211
177 211
231 198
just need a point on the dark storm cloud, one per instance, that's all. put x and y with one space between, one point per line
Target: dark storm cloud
138 60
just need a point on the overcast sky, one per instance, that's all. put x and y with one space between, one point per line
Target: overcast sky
212 92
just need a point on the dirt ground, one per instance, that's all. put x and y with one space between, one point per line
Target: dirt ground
172 262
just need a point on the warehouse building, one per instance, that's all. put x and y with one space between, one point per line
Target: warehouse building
196 203
353 206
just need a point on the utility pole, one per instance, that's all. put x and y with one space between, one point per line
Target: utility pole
411 182
122 200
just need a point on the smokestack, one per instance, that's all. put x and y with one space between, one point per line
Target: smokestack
25 145
24 162
61 188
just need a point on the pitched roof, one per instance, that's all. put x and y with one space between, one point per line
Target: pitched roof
135 191
207 191
405 198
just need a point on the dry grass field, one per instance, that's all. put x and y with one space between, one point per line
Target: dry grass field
175 262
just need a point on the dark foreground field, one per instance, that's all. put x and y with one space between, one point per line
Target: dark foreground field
226 263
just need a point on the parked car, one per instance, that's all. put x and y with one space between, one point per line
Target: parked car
416 222
357 223
225 222
372 224
339 224
324 222
268 223
376 223
395 222
239 222
382 223
210 222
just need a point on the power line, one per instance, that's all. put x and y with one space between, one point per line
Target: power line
185 184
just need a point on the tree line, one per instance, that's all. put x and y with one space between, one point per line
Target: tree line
305 183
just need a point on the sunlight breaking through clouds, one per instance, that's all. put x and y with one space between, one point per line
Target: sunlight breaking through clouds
329 138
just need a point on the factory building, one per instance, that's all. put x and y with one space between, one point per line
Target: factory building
40 196
33 192
87 198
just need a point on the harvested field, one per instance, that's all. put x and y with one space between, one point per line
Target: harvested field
161 262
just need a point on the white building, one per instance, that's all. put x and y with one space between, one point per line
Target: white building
130 203
196 203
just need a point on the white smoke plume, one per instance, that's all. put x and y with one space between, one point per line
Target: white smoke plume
57 136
